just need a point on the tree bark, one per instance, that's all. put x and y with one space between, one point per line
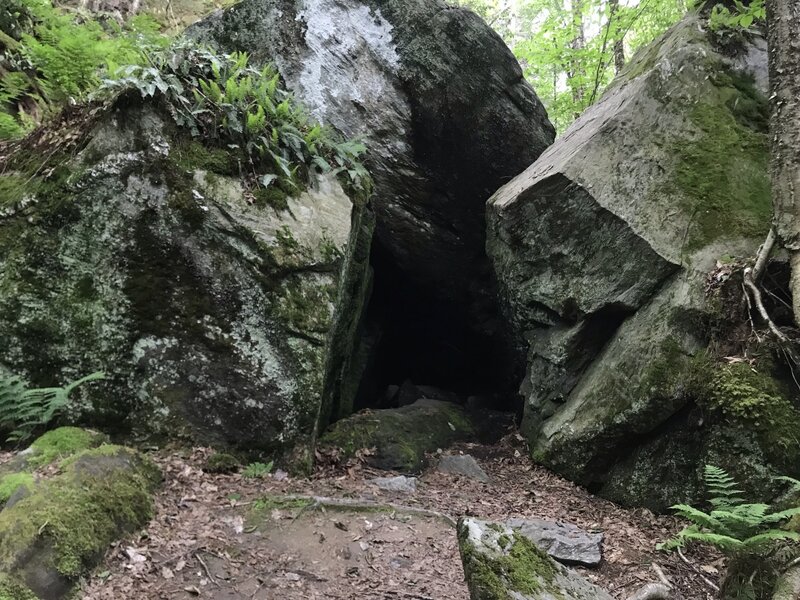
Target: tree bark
783 25
577 74
619 36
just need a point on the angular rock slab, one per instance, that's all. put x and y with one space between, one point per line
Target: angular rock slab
213 318
500 563
601 247
463 464
564 542
376 69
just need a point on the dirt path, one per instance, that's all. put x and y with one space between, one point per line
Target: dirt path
225 537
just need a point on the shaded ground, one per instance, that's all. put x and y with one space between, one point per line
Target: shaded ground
224 537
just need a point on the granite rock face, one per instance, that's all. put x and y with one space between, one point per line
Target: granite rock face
213 318
440 102
602 248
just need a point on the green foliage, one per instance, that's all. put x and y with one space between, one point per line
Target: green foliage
567 48
748 533
224 101
11 482
742 18
23 409
257 470
60 58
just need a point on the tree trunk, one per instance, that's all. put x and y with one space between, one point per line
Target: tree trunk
577 74
619 36
783 24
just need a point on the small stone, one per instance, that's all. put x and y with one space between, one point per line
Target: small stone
464 465
565 542
401 483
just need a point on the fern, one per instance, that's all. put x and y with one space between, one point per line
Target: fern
750 533
23 409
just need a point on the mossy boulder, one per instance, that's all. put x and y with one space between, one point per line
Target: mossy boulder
215 319
401 436
49 538
501 564
602 249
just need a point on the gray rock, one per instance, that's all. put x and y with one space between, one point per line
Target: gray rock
212 317
376 69
602 246
788 586
500 563
564 542
401 483
462 464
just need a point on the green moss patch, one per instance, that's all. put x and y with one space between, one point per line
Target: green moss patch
65 526
11 483
519 567
61 443
723 174
222 462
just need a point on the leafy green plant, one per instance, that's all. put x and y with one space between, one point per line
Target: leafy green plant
52 56
733 525
743 16
257 470
749 534
222 100
24 409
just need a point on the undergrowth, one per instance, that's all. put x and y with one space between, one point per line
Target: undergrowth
751 535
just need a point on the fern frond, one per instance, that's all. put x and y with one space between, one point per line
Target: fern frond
698 517
758 541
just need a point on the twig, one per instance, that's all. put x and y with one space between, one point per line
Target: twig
749 282
652 591
205 568
661 576
763 256
705 579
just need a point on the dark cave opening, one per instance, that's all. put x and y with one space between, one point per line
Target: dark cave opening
421 342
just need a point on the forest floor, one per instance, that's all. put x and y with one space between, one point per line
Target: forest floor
221 537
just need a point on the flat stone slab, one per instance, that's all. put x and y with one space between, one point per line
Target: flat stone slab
401 483
463 464
564 542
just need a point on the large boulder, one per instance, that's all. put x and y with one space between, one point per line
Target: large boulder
439 100
214 316
602 249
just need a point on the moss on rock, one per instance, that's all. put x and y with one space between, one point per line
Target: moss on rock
221 462
500 564
49 538
11 482
62 443
11 589
401 436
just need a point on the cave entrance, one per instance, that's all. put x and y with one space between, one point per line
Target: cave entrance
424 345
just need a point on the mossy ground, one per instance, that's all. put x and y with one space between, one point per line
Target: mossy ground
11 589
